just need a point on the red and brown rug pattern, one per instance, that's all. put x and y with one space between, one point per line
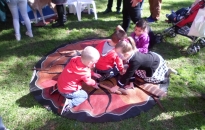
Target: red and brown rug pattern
101 105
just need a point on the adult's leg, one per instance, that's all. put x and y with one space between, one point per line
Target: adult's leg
125 15
151 6
77 98
119 2
155 8
109 5
14 11
22 4
60 11
135 13
141 4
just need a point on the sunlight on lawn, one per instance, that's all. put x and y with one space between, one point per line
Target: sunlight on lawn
20 111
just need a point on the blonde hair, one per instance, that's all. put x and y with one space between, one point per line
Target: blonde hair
127 45
89 53
118 35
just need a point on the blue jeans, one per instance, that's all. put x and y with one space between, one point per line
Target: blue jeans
76 97
130 13
141 4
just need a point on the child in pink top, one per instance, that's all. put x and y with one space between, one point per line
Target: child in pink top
140 36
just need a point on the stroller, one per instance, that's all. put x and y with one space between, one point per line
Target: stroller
181 21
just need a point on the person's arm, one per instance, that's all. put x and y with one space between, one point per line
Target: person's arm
95 74
119 63
144 41
133 66
87 79
135 2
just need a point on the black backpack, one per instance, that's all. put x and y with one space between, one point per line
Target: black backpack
154 39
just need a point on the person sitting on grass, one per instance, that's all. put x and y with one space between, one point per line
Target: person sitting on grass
140 36
78 70
109 64
150 67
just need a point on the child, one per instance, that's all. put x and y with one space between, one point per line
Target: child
77 70
110 64
179 14
140 36
150 66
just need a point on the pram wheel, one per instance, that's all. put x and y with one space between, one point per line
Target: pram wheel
192 49
202 42
172 33
159 38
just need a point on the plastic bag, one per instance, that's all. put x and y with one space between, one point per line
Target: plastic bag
198 25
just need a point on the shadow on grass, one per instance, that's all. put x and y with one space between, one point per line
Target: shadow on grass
45 39
181 113
176 5
27 101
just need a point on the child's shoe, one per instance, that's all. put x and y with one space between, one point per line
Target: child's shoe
18 37
171 70
29 34
66 106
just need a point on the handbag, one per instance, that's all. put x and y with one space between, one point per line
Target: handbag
198 25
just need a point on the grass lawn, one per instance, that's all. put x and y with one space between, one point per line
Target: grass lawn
19 110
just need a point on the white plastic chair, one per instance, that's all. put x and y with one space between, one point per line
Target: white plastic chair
72 4
88 3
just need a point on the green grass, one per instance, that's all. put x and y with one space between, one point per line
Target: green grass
184 106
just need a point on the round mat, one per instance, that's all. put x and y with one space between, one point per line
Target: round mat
101 105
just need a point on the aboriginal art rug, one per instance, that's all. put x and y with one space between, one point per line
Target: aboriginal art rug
101 105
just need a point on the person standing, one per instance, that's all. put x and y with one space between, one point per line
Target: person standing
131 11
141 6
14 5
155 8
61 13
109 6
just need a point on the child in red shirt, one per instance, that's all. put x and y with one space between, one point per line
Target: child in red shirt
110 64
78 70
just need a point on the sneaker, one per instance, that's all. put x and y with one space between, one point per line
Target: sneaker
151 20
118 12
171 70
29 34
65 106
18 37
57 24
107 11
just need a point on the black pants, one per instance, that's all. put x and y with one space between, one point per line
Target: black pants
110 2
107 74
60 11
130 13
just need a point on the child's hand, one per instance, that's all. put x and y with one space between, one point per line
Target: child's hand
135 2
122 72
114 89
97 75
96 86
